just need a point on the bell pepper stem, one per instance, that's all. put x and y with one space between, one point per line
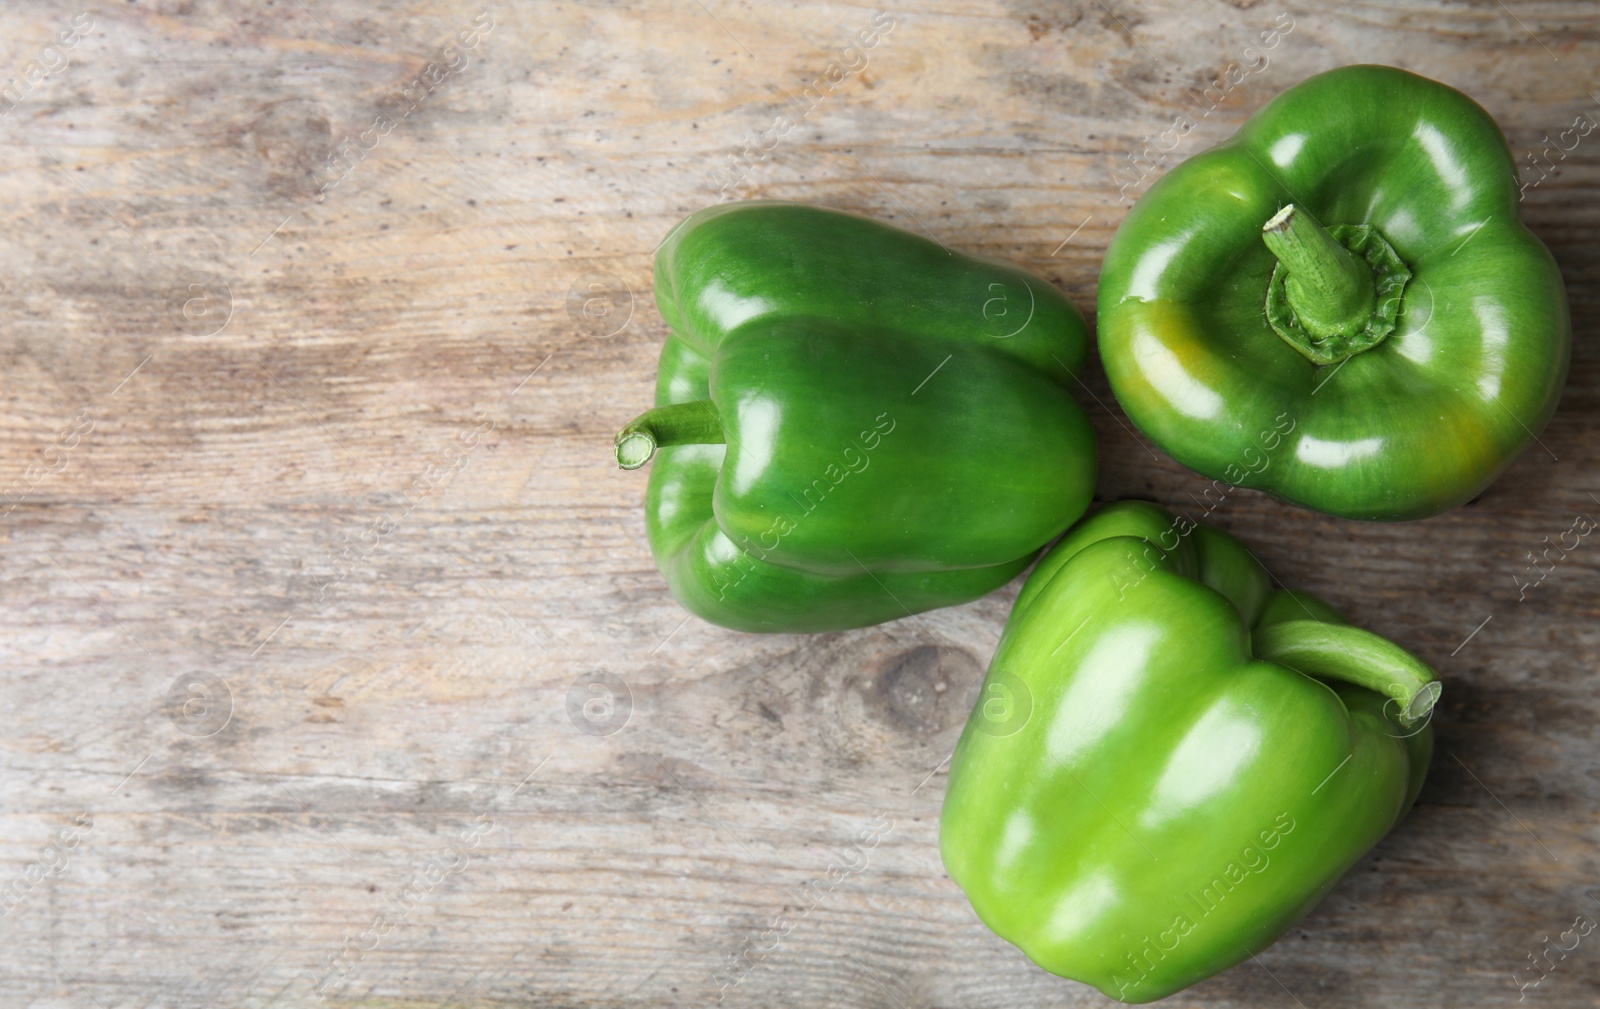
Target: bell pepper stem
1331 291
692 423
1350 655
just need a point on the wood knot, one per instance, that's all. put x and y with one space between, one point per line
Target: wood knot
925 689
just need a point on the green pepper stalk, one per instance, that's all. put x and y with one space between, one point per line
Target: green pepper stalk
692 423
1337 652
1333 293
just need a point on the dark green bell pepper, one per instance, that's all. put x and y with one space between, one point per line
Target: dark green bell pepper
1399 318
1170 762
853 423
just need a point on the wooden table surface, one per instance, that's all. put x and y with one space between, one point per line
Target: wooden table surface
317 569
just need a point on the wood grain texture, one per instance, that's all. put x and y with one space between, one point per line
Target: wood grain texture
342 460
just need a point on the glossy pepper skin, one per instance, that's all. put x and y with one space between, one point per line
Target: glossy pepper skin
1402 425
854 423
1170 762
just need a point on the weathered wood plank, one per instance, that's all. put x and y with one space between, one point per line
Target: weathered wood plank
349 455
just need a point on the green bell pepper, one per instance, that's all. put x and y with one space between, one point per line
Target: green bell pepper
1170 762
1350 265
854 423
